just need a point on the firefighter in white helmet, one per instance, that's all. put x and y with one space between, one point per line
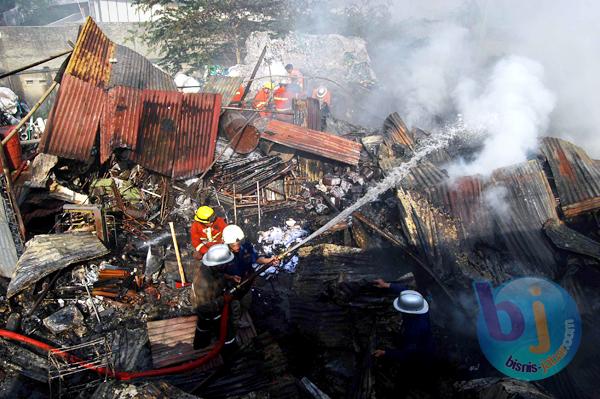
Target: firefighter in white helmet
244 255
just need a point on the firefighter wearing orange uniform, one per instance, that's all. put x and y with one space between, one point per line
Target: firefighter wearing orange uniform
238 94
262 98
323 95
207 230
282 98
295 75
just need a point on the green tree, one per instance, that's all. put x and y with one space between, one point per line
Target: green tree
198 32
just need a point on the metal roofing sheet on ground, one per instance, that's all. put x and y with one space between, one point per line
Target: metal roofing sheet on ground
197 134
226 86
312 141
73 121
133 70
90 60
8 250
576 175
120 120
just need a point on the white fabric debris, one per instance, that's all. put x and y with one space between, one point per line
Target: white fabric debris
277 239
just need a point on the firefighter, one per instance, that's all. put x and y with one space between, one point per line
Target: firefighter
323 95
295 76
244 255
415 342
208 287
262 98
237 97
207 230
282 98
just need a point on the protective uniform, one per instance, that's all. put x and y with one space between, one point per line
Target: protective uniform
207 229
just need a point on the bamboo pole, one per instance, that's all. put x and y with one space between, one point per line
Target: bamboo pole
13 72
30 114
181 273
11 194
258 201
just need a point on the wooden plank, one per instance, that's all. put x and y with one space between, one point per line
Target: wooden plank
170 322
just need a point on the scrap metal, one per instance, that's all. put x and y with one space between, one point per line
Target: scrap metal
312 141
576 175
226 86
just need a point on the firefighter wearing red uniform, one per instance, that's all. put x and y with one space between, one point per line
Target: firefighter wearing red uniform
207 230
323 95
238 94
262 98
282 98
295 76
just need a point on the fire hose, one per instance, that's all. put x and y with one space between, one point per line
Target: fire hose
126 375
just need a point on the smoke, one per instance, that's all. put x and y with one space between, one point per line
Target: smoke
514 70
510 109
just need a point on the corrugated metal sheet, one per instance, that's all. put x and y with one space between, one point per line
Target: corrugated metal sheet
577 177
178 132
158 131
133 70
73 122
90 60
47 253
493 226
312 141
8 250
120 120
197 134
313 114
226 86
395 131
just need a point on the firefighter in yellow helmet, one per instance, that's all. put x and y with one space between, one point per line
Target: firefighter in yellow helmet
207 230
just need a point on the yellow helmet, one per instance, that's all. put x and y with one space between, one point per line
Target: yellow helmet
269 85
205 214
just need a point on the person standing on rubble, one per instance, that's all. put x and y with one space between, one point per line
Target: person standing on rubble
295 76
208 287
207 230
282 98
244 255
262 99
415 342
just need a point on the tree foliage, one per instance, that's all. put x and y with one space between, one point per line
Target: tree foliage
198 32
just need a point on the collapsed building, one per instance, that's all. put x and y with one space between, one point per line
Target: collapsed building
91 275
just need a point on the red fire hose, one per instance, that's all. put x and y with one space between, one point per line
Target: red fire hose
125 375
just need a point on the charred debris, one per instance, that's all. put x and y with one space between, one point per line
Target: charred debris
88 262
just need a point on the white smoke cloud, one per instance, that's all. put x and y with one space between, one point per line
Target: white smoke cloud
510 108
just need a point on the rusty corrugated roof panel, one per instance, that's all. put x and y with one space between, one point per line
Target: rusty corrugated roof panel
8 249
197 134
177 132
495 223
133 70
90 60
226 86
395 131
158 130
312 141
576 175
73 121
120 120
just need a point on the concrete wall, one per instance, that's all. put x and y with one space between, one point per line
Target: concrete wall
22 45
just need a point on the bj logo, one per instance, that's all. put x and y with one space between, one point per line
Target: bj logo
528 328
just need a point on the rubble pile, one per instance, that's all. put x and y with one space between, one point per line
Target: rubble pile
97 259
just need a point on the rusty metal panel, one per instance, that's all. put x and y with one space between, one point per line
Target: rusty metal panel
226 86
314 142
157 136
197 134
395 131
133 70
90 60
73 122
313 114
120 120
576 175
8 249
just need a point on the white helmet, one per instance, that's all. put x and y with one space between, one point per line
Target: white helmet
232 234
321 91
